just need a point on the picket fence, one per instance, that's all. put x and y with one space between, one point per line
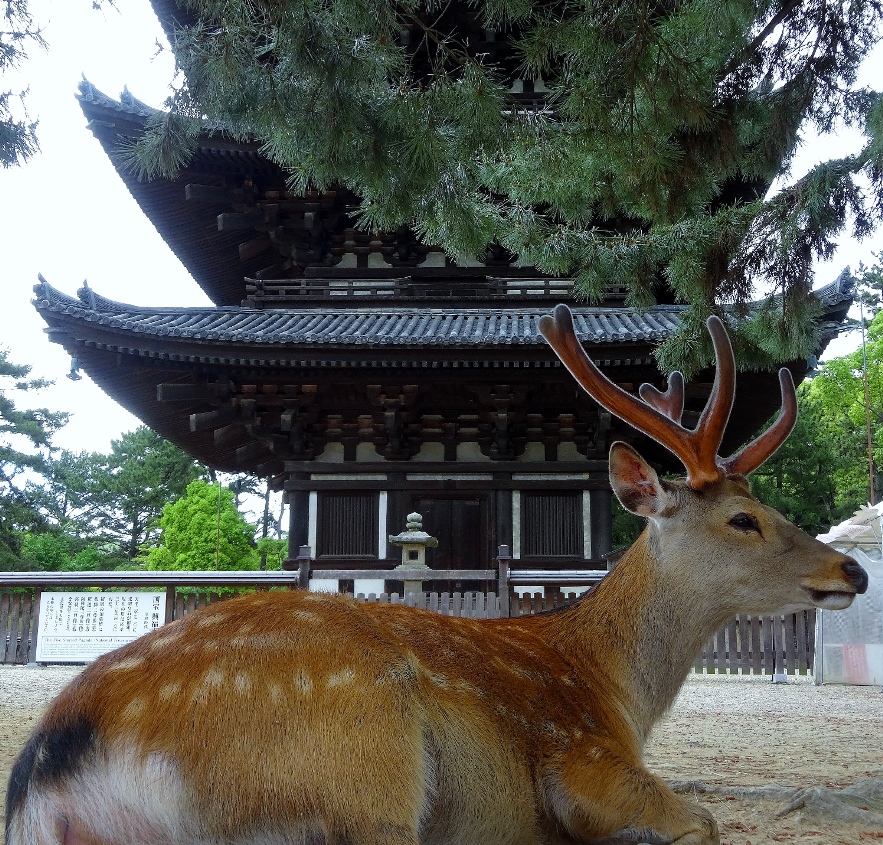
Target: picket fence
769 645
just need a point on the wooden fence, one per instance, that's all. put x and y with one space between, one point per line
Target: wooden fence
762 645
755 645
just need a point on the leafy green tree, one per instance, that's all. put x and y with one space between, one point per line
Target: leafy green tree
820 476
48 551
627 527
870 286
646 162
203 530
129 487
54 551
804 480
25 448
63 495
840 392
271 552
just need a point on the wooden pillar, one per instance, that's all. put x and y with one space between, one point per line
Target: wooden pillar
502 515
298 521
602 522
398 505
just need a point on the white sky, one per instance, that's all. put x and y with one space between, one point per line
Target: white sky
67 215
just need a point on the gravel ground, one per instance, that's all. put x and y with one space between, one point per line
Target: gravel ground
746 748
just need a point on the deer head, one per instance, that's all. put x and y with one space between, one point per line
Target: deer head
710 520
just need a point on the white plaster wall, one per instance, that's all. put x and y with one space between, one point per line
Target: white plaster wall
430 452
533 453
332 454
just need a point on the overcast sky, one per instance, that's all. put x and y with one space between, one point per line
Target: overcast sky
67 215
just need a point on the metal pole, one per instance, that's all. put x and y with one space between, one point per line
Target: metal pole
871 498
218 532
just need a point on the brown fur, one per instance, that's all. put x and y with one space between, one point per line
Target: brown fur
321 719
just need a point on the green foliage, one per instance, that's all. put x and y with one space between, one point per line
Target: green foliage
870 287
839 390
648 163
819 476
25 448
626 526
47 552
52 551
18 138
90 559
272 552
203 530
128 488
63 493
803 480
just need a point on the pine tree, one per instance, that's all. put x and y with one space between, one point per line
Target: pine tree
25 449
646 161
18 138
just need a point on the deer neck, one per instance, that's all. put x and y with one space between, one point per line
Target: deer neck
640 628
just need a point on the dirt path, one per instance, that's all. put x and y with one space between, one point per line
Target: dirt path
729 739
741 746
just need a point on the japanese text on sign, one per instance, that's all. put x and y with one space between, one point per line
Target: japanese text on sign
78 627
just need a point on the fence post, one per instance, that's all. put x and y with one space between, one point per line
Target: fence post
504 562
304 554
170 604
35 627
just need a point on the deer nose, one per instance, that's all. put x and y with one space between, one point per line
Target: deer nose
855 574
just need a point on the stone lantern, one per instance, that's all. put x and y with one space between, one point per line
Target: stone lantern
414 542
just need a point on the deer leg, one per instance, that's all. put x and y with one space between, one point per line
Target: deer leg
614 802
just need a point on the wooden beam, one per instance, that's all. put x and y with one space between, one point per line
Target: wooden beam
229 434
208 420
250 452
213 193
190 392
234 221
255 247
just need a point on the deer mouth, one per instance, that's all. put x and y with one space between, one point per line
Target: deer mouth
831 599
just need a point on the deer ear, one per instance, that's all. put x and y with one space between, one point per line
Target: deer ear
635 482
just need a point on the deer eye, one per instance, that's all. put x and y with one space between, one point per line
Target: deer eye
745 522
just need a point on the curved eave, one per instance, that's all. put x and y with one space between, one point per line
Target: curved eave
190 229
129 351
251 337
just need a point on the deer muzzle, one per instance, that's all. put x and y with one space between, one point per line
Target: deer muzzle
855 574
833 594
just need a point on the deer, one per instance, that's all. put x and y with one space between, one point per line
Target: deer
299 717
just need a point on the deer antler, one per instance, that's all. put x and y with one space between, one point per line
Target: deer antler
750 457
659 414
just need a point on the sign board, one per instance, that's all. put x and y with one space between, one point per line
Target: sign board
78 627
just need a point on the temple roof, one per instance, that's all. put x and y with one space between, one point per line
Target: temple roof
368 326
376 325
190 229
215 380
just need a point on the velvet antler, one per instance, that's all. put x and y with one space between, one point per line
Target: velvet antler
659 414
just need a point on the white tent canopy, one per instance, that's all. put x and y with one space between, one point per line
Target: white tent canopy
849 643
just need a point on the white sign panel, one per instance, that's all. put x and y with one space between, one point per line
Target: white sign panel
78 627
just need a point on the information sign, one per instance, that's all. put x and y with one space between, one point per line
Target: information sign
78 627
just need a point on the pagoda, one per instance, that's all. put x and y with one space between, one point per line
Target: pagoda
367 375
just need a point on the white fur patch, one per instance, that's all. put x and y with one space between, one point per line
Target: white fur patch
113 798
125 664
340 679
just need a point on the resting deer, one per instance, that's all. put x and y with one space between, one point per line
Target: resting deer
305 718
